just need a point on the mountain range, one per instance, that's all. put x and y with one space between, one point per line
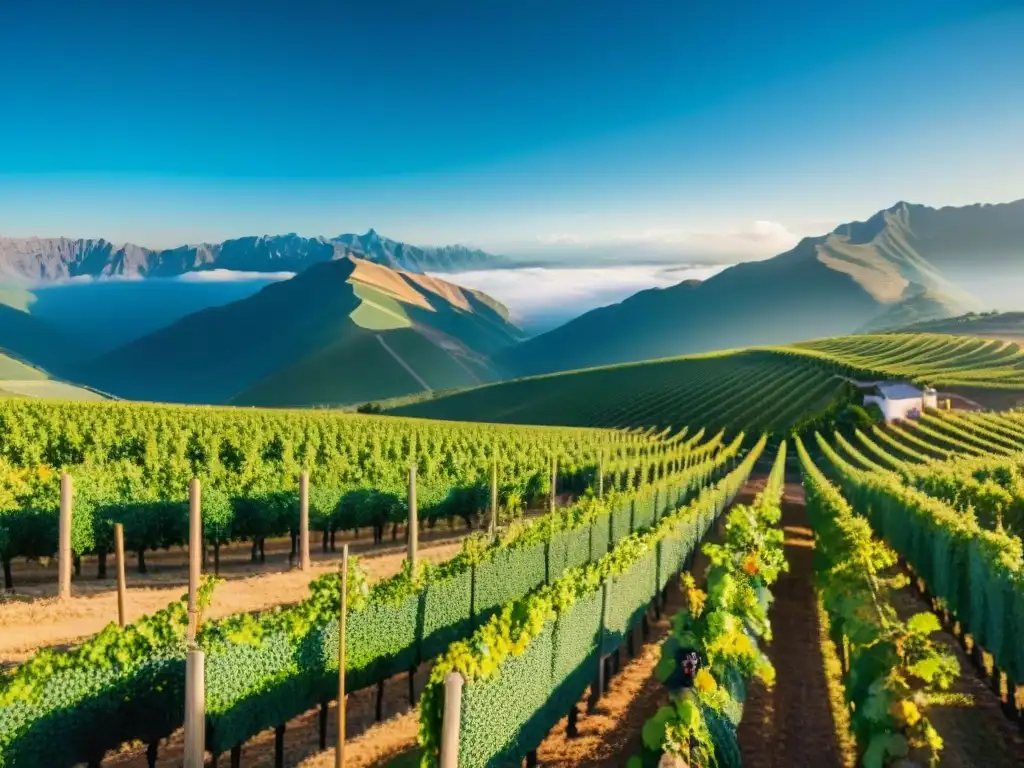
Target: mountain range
361 321
340 332
906 264
51 259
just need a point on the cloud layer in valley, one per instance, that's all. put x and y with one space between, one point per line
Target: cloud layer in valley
204 276
540 297
231 276
757 240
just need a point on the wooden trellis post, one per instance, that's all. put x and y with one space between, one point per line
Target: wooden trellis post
600 475
304 562
414 528
195 709
195 556
122 588
554 479
493 526
451 719
195 661
64 563
339 751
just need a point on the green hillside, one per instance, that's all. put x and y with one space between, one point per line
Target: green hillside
49 389
757 389
20 380
339 333
900 266
936 359
11 369
996 325
719 390
328 377
25 338
16 297
28 338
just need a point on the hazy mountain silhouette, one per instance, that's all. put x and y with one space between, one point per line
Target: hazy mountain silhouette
906 264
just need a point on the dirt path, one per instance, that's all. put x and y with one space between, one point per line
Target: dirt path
608 737
26 627
612 734
169 568
401 362
975 731
792 724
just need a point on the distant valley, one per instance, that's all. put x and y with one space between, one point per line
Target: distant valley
341 332
64 301
362 320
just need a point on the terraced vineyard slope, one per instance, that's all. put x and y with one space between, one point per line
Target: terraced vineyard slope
936 359
772 389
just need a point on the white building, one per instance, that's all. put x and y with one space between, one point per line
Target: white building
899 401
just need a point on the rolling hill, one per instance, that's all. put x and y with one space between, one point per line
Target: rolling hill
902 265
341 332
18 379
27 338
1008 326
28 344
760 388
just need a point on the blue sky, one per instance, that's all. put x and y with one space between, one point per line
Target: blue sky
685 128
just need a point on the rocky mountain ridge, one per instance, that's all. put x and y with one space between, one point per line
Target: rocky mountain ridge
55 259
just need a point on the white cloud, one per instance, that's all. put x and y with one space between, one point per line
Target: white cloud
541 297
559 239
756 240
767 230
207 276
231 276
83 280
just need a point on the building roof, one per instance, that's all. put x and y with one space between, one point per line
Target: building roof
899 391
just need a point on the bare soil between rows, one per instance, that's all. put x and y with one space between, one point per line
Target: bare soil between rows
26 627
789 725
33 618
975 732
792 724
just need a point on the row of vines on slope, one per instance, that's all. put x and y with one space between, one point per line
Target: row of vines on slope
126 685
249 464
893 670
990 488
712 390
532 661
977 573
235 447
713 651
